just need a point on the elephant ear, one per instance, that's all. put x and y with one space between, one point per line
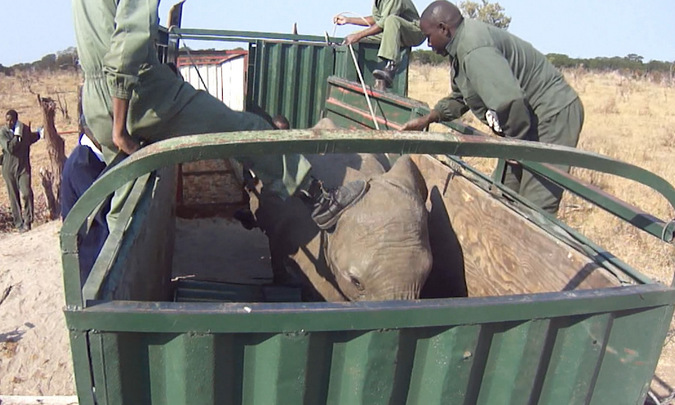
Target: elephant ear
405 174
325 123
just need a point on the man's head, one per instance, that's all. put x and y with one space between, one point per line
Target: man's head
438 22
281 122
12 117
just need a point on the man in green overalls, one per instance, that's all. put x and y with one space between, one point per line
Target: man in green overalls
393 23
509 86
15 141
129 97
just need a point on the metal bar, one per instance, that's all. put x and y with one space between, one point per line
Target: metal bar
600 254
218 146
607 202
170 317
500 170
79 348
250 36
110 249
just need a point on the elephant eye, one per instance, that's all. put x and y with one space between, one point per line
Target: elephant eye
356 282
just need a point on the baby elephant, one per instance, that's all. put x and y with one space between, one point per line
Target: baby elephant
379 248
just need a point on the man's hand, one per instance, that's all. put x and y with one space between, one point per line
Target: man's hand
340 20
421 123
120 135
351 39
125 142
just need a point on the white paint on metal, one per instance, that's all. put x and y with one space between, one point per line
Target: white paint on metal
225 81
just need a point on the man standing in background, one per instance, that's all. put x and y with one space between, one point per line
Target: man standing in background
15 141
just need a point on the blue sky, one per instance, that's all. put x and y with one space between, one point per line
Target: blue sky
578 28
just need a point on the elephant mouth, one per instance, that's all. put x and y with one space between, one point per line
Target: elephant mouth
394 293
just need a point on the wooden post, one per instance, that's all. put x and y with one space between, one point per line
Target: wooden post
51 177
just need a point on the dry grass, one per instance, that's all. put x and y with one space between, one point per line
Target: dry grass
630 120
627 119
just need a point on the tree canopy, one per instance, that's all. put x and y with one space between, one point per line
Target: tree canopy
491 13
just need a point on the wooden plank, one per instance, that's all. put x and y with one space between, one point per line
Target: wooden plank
503 252
37 400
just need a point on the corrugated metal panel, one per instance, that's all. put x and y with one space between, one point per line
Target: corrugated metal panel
290 79
226 81
366 55
559 360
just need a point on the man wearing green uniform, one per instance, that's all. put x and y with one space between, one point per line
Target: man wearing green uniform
15 141
393 23
129 97
509 86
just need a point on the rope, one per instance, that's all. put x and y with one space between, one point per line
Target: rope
358 70
349 13
363 86
192 61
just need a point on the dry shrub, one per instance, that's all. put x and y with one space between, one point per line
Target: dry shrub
626 87
609 107
577 77
423 70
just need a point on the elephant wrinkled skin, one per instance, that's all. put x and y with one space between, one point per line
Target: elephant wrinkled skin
380 248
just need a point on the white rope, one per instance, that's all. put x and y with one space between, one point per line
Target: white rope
363 86
192 61
358 70
350 13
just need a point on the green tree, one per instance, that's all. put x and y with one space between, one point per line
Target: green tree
67 58
48 62
7 71
491 13
633 57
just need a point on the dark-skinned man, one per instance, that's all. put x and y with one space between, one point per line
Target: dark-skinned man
393 23
15 141
509 86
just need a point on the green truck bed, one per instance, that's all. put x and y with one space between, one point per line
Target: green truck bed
551 318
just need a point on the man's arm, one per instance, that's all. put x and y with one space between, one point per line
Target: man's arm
130 44
446 109
30 135
496 85
8 141
362 21
120 135
358 36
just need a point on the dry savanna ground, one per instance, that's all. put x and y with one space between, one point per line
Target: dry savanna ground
628 119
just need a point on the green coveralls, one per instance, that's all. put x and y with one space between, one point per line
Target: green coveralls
16 172
514 89
400 23
115 44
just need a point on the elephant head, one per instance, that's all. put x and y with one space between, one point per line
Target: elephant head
380 247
